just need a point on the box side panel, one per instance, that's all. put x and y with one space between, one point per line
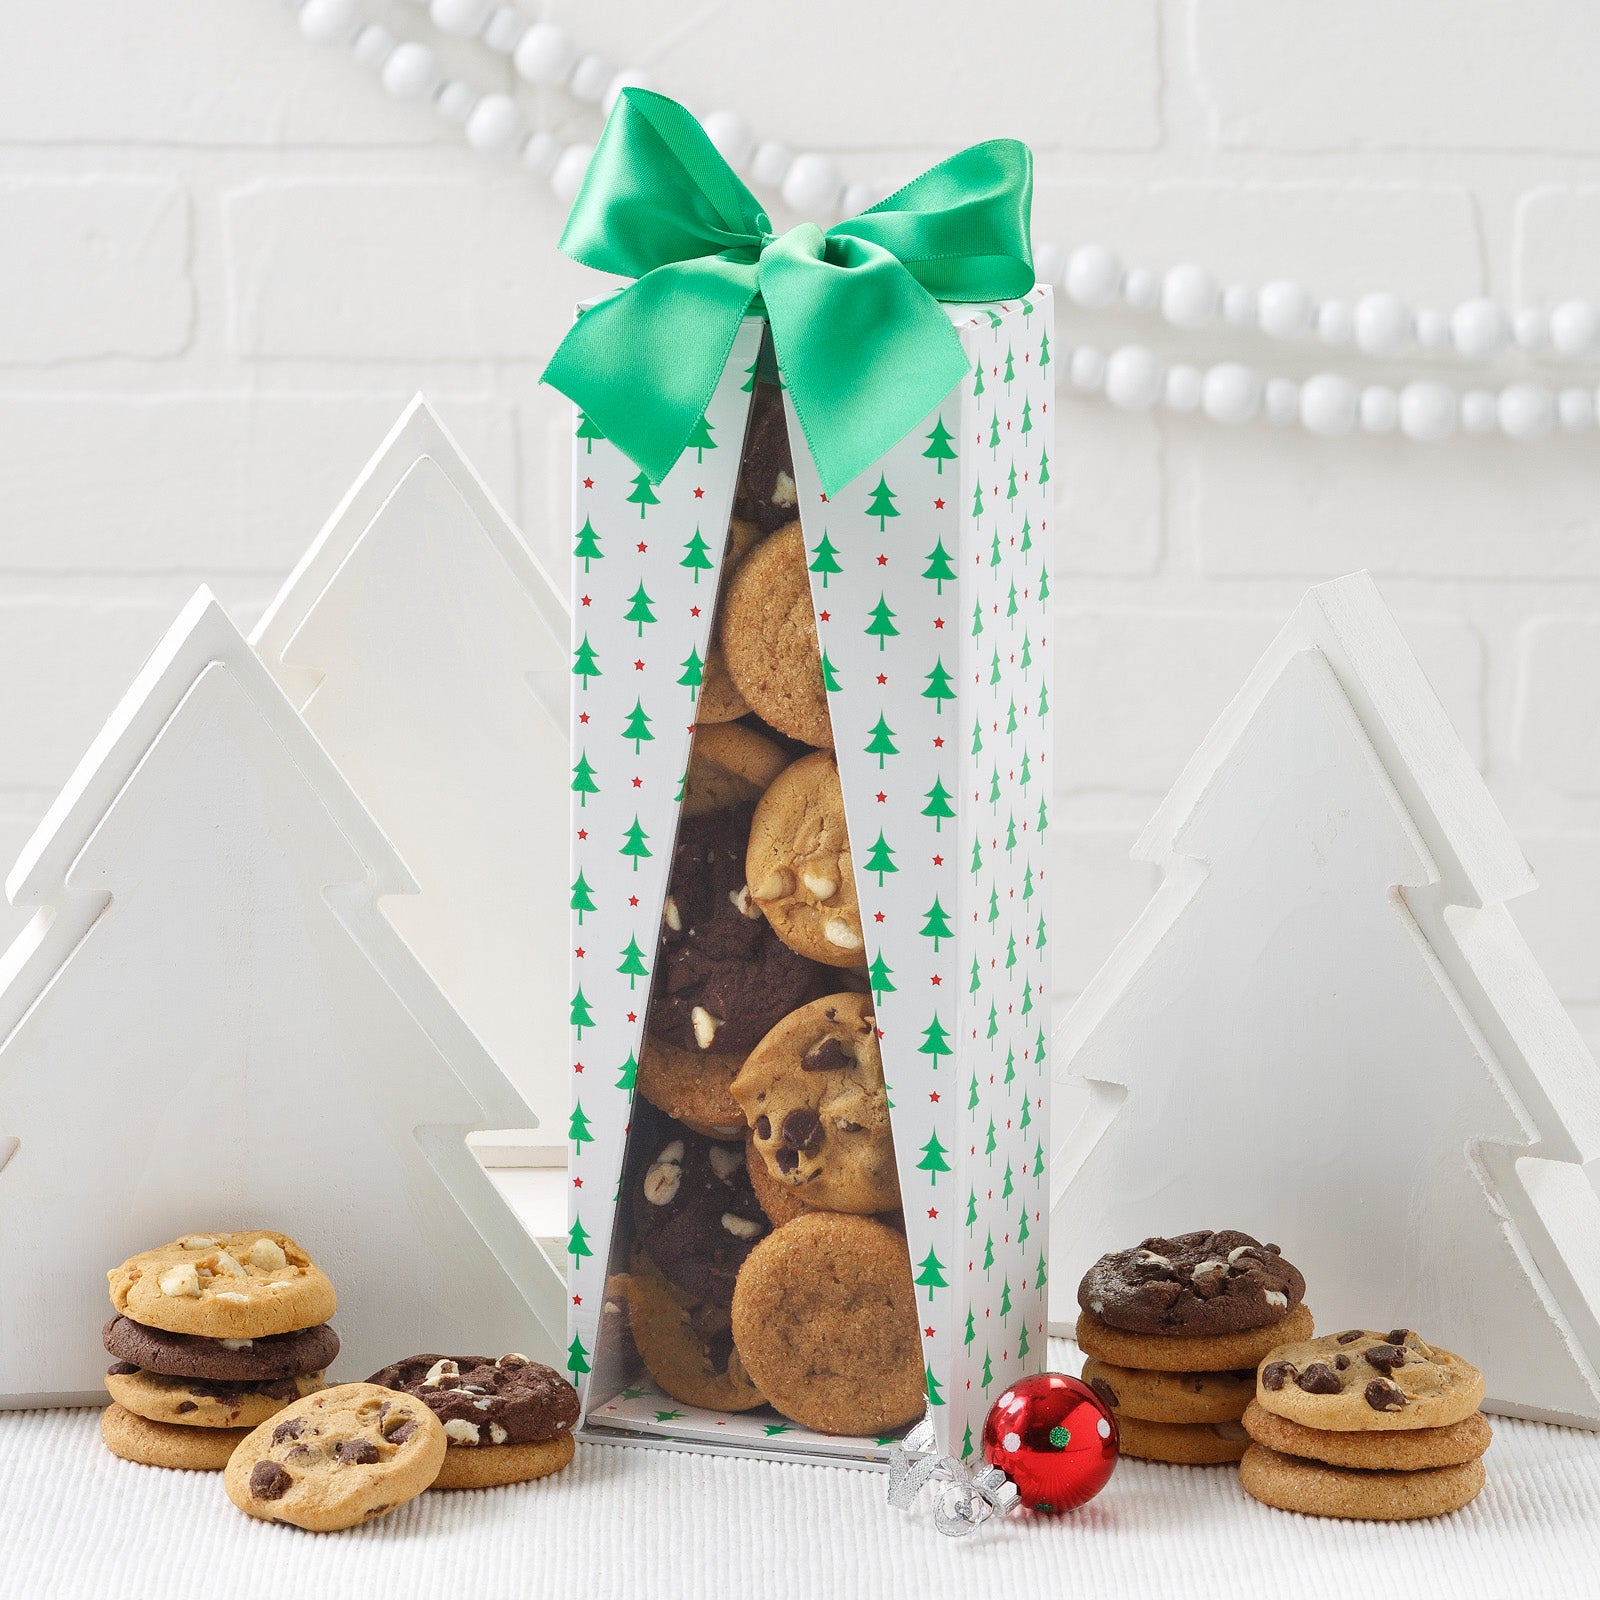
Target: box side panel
885 591
1006 772
644 581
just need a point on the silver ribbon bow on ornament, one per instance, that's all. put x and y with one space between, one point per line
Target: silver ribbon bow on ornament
966 1498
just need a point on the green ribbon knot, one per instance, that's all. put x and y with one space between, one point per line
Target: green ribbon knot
863 346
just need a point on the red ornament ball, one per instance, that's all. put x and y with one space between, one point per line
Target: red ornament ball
1054 1438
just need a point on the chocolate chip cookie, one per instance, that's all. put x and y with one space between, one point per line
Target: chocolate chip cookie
825 1319
798 864
692 1086
766 493
1177 1352
686 1345
1291 1484
508 1420
1362 1381
1394 1450
187 1355
1175 1397
242 1285
812 1092
723 977
718 700
1187 1444
1195 1284
729 765
694 1213
205 1402
337 1458
769 639
160 1444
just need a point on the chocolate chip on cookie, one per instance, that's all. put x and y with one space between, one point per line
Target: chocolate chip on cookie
695 1213
823 1130
724 977
1196 1283
483 1401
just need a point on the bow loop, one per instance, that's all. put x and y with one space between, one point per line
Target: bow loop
860 339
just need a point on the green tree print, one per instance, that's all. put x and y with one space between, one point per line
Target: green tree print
935 1041
633 967
880 859
577 1357
583 784
878 978
882 505
700 439
940 568
588 548
643 495
933 1159
882 744
578 1240
931 1275
639 611
586 662
578 1125
580 1016
939 686
937 926
582 897
882 626
938 806
634 843
697 556
588 432
939 450
693 673
630 1073
827 558
638 727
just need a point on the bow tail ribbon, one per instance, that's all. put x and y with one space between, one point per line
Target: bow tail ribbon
863 345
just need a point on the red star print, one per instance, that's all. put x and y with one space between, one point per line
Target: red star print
938 622
699 494
938 505
882 678
633 899
583 716
638 666
877 916
933 1213
577 1299
824 499
633 1016
579 952
883 561
938 861
937 980
577 1066
934 1097
583 833
642 547
927 1333
694 611
881 797
822 616
638 783
577 1183
586 600
588 483
938 741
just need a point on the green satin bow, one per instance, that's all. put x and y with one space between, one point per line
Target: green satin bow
860 339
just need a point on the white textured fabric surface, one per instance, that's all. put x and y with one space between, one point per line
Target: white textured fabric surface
631 1522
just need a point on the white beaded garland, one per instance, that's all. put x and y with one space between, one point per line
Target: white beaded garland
1530 329
591 77
1526 411
544 55
1189 296
1427 411
1183 388
1281 401
463 18
1478 329
1382 324
455 100
730 133
1141 289
1479 412
1048 263
504 30
329 21
1576 409
1239 309
1573 326
1093 277
1379 409
372 46
1336 323
411 71
1087 369
1231 392
539 153
628 78
1328 405
1134 378
769 165
567 174
494 125
812 183
1284 309
857 197
1433 328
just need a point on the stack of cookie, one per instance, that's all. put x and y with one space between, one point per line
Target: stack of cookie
760 1046
1173 1329
214 1334
1374 1426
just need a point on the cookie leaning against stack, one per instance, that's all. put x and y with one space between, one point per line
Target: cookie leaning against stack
1377 1427
214 1334
1173 1330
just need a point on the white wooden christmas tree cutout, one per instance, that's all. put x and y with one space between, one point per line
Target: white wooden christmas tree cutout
426 648
1326 1030
209 1024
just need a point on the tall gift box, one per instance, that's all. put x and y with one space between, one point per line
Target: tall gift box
929 573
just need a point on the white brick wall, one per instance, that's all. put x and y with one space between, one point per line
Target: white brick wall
226 259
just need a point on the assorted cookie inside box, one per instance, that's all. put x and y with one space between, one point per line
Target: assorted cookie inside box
812 1076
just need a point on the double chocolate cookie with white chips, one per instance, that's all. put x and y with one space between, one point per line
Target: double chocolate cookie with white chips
1200 1283
695 1213
191 1355
507 1420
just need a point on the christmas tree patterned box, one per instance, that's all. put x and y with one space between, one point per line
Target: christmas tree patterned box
930 585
